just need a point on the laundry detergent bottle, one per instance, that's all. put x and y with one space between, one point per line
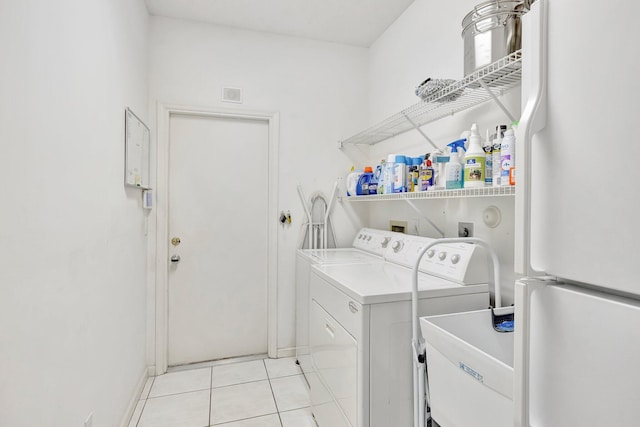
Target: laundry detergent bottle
362 188
474 161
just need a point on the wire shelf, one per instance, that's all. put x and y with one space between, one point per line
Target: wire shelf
483 85
437 194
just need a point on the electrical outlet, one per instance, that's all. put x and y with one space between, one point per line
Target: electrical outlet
398 226
465 229
89 421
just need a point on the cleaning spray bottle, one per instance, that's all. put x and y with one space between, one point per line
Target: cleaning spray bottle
474 161
453 168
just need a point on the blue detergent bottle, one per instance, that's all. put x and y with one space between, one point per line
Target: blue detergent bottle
362 188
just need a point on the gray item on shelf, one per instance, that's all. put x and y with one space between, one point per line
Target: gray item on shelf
430 87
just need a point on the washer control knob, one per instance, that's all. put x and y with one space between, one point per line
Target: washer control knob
368 238
455 258
385 241
442 256
397 245
431 253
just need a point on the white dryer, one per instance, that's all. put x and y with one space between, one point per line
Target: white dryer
368 246
360 327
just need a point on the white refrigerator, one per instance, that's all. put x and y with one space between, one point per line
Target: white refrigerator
577 338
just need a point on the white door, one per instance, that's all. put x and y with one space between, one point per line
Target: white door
218 199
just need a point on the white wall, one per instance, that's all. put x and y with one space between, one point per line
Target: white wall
72 244
319 89
426 42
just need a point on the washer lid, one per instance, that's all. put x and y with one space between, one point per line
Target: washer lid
385 282
338 256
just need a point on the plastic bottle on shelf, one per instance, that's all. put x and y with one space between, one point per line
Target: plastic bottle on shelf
362 188
474 161
507 158
415 172
497 143
400 174
389 174
440 161
426 174
352 181
375 180
453 168
488 159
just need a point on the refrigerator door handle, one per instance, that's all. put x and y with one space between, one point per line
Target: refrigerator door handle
523 294
532 121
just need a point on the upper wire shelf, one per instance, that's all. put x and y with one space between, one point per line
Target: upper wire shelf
483 85
437 194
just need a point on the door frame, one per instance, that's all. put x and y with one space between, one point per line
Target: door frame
164 113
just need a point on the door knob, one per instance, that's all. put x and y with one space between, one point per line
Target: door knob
175 258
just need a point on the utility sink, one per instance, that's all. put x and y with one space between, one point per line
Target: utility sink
470 369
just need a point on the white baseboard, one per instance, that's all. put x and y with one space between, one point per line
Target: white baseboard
286 352
135 398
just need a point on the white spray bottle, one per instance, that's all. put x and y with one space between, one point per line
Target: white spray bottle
474 161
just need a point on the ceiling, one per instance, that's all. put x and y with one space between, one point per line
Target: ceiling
355 22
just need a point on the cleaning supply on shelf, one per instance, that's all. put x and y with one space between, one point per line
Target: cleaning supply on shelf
439 161
462 149
375 180
389 174
400 174
474 159
488 159
417 162
362 188
497 143
426 174
453 168
507 158
352 181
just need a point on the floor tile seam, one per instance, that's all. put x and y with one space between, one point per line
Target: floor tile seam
296 409
214 363
235 384
179 393
244 419
275 402
284 376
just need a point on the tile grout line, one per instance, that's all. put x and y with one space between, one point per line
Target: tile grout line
275 402
178 393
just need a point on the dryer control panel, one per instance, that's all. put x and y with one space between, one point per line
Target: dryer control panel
462 263
374 241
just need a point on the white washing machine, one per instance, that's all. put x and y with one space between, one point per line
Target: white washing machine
368 246
360 327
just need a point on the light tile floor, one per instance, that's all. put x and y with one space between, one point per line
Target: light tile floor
241 393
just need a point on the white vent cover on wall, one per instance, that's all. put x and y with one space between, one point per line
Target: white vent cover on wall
232 94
